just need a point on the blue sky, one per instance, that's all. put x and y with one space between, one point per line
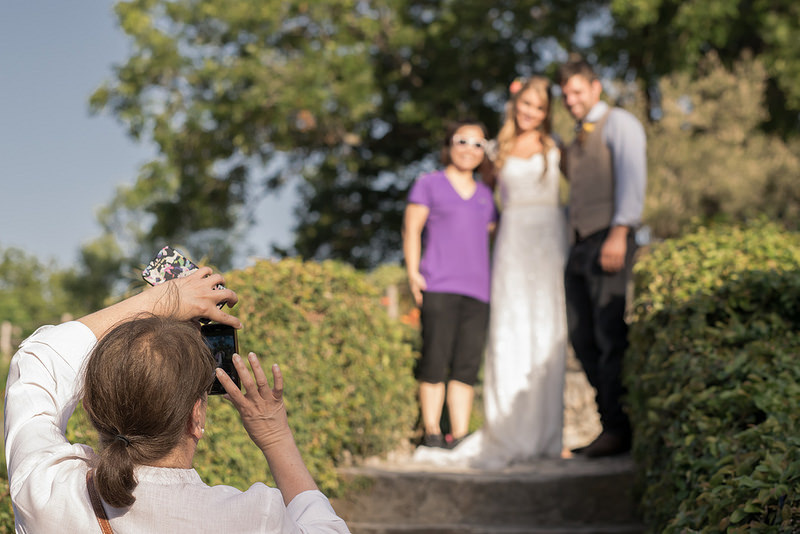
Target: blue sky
59 164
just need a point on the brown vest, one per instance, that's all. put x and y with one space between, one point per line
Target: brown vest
590 172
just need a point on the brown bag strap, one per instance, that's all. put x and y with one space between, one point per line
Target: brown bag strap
97 504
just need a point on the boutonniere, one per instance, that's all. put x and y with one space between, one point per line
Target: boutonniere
584 129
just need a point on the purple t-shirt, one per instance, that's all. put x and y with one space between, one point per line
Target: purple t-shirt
455 240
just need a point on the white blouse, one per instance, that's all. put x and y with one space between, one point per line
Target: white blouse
47 474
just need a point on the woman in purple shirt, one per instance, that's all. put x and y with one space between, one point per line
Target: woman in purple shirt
446 229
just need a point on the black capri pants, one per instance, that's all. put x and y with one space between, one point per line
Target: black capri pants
453 337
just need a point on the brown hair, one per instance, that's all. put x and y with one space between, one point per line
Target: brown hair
575 66
509 131
140 386
485 169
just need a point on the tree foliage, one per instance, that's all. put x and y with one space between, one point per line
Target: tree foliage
32 293
102 265
708 159
347 101
655 38
345 98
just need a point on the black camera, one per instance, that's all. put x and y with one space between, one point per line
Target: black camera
222 341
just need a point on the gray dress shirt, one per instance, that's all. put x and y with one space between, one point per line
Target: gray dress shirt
625 138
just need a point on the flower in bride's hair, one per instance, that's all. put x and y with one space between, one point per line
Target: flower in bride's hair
515 86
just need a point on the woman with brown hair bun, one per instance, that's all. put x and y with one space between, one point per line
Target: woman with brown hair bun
146 372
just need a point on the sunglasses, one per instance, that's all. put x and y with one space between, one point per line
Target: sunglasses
465 141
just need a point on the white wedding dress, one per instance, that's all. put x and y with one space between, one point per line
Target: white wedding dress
526 353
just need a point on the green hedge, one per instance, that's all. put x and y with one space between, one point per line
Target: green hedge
714 380
6 510
347 367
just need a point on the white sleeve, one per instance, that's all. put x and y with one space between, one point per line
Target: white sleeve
312 512
41 394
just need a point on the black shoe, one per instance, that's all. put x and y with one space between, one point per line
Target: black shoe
579 450
434 440
606 444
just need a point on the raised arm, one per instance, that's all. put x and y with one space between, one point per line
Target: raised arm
186 298
264 417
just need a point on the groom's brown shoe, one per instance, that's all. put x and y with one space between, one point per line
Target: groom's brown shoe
579 450
606 444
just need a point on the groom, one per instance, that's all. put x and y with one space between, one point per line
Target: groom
607 170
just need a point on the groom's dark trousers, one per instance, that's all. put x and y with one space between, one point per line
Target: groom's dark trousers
597 328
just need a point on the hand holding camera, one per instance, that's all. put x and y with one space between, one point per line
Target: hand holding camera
171 264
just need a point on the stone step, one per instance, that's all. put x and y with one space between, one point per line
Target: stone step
367 528
554 496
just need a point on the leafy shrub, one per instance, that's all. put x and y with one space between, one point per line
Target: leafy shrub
713 381
6 510
347 369
394 276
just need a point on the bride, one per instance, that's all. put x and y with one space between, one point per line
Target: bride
526 354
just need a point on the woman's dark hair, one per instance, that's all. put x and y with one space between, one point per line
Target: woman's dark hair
485 169
141 383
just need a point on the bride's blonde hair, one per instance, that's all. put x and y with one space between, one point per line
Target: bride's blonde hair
510 131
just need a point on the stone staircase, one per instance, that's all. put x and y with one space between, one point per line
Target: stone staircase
575 496
549 496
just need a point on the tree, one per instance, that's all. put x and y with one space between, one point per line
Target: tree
102 274
708 159
654 38
347 98
31 292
